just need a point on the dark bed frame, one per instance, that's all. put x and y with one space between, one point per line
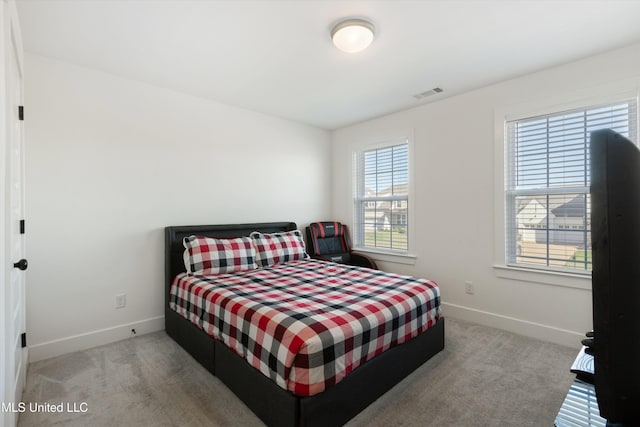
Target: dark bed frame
271 403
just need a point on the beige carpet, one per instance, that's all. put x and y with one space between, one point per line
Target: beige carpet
484 377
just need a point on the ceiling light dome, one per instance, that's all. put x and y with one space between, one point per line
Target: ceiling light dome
352 35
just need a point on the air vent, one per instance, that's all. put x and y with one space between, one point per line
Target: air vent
433 91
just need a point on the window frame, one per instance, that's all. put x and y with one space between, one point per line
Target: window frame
544 105
392 255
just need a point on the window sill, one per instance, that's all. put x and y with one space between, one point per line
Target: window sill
398 258
554 278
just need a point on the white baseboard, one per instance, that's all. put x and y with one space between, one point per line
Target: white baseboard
518 326
116 333
92 339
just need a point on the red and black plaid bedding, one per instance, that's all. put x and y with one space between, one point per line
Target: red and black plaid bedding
306 324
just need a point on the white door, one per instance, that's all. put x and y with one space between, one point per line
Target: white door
12 294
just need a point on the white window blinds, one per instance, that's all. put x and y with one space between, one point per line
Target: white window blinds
382 198
548 209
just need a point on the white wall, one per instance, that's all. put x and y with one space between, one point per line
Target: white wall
111 162
458 200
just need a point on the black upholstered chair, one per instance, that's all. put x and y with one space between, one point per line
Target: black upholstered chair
330 241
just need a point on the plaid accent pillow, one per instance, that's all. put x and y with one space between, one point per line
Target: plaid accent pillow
276 248
207 255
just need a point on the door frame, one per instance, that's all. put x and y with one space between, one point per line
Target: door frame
10 40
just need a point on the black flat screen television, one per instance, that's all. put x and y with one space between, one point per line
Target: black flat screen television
615 239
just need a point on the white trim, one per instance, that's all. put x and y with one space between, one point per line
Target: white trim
523 327
607 94
382 141
602 94
547 277
92 339
13 360
7 419
398 258
389 139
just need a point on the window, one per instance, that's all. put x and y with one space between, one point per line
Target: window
382 198
548 212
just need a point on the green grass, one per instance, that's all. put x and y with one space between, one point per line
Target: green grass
578 258
384 239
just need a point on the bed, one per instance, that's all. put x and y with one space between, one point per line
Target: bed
331 404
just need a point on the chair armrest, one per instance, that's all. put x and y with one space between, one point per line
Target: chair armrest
320 257
363 260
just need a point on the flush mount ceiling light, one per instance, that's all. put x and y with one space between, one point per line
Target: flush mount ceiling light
352 35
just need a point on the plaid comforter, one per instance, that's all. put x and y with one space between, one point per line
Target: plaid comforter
307 324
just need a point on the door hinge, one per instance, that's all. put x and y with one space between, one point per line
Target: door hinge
21 112
22 226
24 339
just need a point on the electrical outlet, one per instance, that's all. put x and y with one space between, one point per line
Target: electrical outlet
121 300
468 287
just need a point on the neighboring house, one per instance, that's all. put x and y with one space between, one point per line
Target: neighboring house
381 214
554 220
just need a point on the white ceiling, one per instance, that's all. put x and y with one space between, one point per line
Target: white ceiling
276 56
